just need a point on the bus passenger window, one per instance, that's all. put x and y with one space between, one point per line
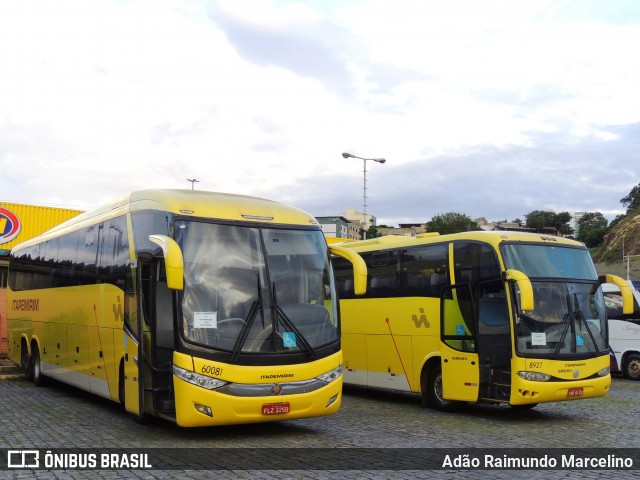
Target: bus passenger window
425 270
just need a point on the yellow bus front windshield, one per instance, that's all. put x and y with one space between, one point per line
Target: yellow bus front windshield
569 315
255 290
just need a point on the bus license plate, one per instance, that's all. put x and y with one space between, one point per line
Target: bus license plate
275 408
575 392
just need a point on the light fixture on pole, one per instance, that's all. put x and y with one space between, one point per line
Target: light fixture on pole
193 181
364 186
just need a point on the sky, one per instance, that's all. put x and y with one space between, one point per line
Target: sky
487 108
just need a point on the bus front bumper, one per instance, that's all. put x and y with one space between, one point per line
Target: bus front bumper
197 406
524 392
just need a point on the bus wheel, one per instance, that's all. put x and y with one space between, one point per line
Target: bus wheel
432 391
38 378
632 367
25 361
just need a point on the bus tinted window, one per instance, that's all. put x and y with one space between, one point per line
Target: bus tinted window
416 271
550 261
425 270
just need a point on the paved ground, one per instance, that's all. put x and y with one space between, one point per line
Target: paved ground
371 430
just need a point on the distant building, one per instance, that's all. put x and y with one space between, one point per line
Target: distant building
404 229
575 222
339 227
358 217
484 224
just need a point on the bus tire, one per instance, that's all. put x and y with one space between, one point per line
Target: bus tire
632 367
432 391
38 379
26 363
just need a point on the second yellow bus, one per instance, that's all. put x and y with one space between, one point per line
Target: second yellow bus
488 317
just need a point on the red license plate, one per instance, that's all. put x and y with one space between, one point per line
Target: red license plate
275 408
575 392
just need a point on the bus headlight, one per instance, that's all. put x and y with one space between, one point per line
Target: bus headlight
604 372
535 376
197 379
331 375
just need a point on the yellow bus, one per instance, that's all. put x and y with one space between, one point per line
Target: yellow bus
197 307
484 317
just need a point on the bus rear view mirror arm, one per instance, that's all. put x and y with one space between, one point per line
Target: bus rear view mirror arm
524 284
173 262
359 268
625 291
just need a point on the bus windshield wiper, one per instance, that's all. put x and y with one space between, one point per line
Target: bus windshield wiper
581 319
256 307
568 321
286 321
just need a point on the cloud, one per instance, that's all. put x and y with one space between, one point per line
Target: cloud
498 183
310 48
491 109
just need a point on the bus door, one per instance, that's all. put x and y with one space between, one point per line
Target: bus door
157 301
494 340
458 346
132 371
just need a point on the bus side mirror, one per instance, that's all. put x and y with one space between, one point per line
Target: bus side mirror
524 284
625 291
173 262
359 268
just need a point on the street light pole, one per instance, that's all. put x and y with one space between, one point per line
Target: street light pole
193 181
364 185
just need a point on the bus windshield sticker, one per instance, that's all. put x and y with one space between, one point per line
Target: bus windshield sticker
579 341
289 339
205 319
460 330
538 338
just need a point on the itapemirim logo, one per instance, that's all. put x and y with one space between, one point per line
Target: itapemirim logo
421 320
9 225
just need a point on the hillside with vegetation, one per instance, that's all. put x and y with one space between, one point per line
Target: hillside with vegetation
625 234
620 239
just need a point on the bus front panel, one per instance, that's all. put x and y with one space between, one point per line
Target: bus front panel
210 393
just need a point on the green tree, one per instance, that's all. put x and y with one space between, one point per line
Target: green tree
373 232
592 228
632 200
540 219
452 223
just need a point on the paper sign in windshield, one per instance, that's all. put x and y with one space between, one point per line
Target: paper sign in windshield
205 319
538 338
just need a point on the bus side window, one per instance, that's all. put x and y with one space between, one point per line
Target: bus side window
425 270
384 273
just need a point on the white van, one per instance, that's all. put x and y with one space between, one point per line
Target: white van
624 332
